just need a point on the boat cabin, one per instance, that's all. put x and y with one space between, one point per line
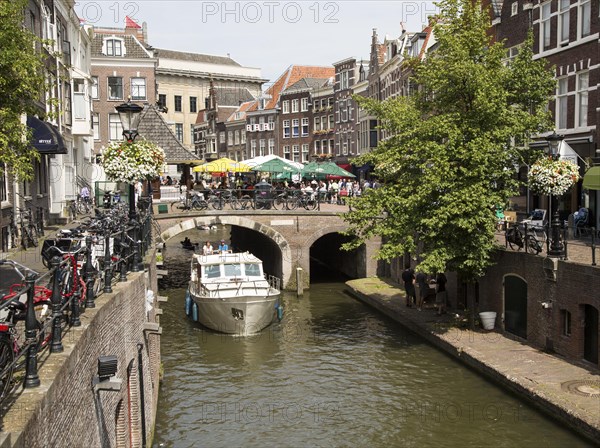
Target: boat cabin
227 267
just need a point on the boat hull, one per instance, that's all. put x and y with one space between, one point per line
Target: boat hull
241 315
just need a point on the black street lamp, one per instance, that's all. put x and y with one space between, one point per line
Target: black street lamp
557 248
130 114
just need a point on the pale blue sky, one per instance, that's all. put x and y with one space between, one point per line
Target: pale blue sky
269 35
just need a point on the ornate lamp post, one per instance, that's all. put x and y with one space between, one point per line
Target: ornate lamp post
130 114
556 245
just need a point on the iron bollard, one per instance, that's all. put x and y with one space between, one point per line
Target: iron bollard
57 346
90 274
136 257
107 265
593 246
526 242
75 310
31 333
566 257
548 232
123 257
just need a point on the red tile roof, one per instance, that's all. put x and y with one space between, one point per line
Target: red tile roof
130 23
293 74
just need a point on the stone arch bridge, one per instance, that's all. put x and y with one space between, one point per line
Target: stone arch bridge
284 240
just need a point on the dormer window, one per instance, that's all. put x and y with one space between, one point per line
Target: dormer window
113 46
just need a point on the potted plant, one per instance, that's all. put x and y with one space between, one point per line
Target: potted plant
131 161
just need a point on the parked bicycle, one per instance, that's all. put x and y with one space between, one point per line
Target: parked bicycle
192 201
29 231
516 240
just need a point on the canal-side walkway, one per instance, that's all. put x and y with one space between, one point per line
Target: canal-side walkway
555 386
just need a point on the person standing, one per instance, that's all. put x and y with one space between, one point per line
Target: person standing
207 249
423 287
440 296
408 277
223 247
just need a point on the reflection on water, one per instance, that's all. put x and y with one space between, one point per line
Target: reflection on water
332 373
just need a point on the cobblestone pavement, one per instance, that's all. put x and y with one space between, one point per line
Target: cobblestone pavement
565 390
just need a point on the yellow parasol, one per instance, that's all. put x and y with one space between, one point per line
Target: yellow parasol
223 165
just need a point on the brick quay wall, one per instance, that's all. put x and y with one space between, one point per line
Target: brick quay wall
66 410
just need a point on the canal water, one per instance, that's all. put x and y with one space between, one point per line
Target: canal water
332 373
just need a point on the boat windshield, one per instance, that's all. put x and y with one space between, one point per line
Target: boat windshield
212 271
233 270
252 269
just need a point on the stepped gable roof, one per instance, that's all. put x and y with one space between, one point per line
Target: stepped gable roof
307 84
231 96
133 47
153 127
292 75
195 57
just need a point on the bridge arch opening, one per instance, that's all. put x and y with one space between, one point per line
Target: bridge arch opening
328 262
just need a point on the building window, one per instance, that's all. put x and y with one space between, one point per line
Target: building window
343 111
96 125
3 185
561 103
317 146
585 17
317 123
162 100
545 29
581 105
262 146
305 153
243 137
115 128
192 133
271 146
296 153
252 149
304 105
230 138
115 88
80 107
563 21
295 127
114 47
177 103
193 104
138 88
565 317
344 80
285 107
236 137
94 87
221 137
331 125
331 146
304 127
179 131
514 8
286 152
286 128
295 105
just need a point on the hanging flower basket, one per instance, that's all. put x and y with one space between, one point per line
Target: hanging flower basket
552 177
132 161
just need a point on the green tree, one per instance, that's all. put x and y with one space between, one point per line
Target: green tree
21 86
450 160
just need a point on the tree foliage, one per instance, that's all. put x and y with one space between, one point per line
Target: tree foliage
21 85
449 161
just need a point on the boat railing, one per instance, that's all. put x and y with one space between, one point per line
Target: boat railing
274 282
202 289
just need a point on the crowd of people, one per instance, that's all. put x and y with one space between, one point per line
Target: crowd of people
418 286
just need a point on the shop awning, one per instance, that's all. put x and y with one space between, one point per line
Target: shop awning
591 180
46 137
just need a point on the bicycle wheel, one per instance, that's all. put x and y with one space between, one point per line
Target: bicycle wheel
511 238
216 203
533 245
278 202
292 203
7 356
177 205
235 204
32 234
311 204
